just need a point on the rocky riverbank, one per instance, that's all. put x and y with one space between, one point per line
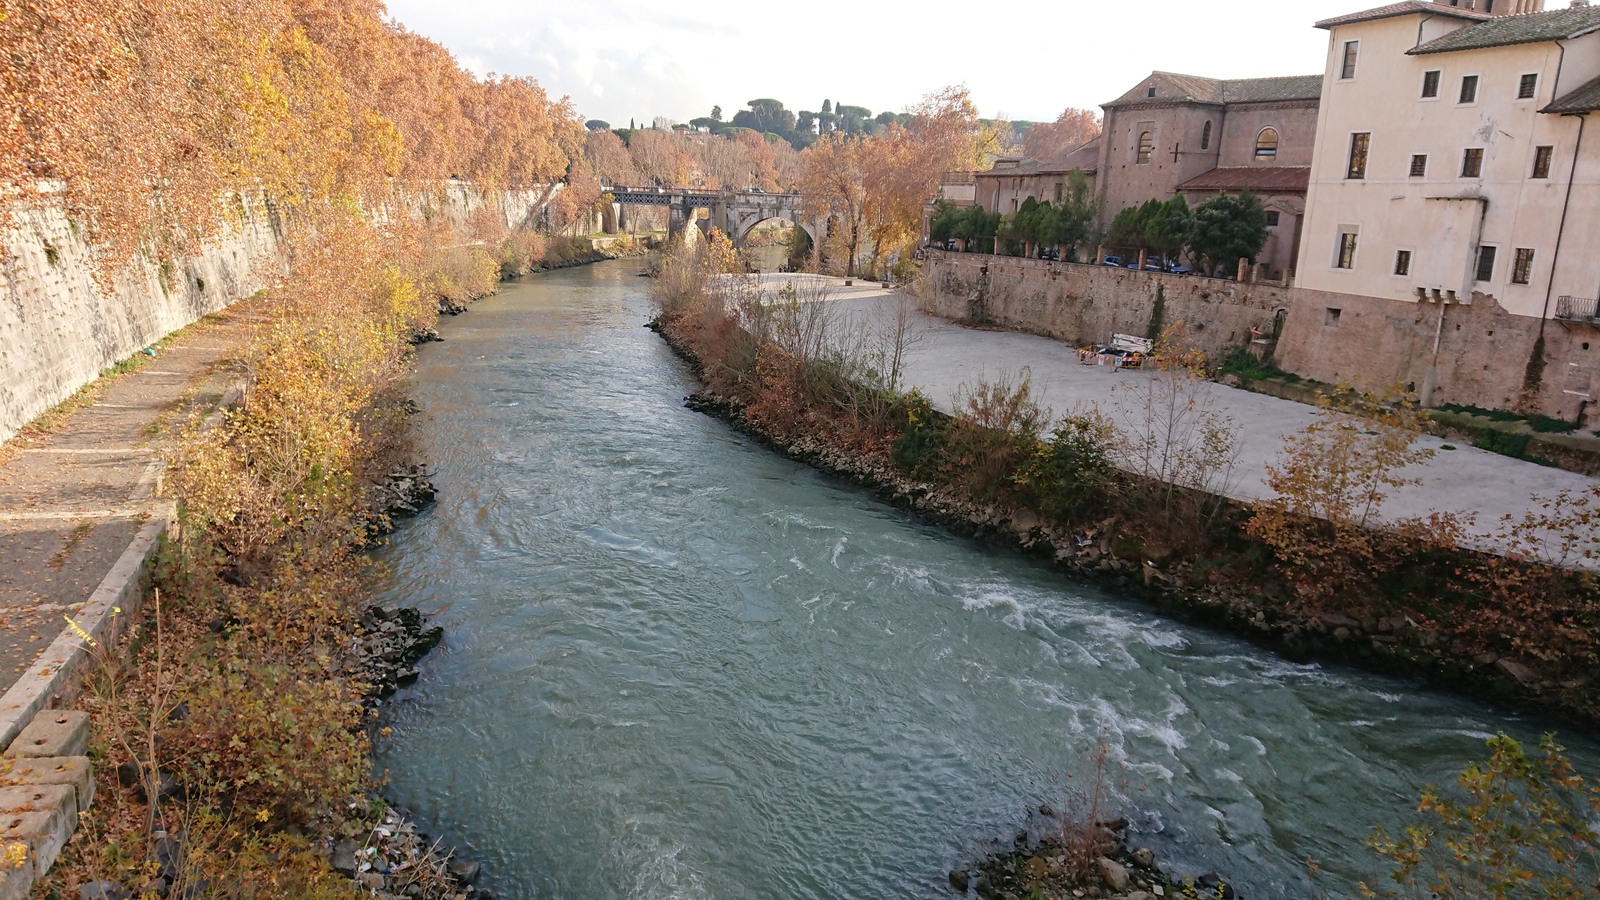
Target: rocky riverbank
1057 859
387 854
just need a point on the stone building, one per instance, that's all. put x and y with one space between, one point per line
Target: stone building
1174 134
1014 179
1452 235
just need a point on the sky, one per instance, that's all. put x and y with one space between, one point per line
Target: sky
621 59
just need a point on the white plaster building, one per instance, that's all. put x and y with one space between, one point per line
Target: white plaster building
1452 232
1453 162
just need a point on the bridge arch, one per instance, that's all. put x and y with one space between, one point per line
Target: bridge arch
751 227
745 212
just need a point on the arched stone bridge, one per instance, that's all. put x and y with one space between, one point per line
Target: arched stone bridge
734 213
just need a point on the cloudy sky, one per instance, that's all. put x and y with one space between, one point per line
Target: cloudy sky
624 59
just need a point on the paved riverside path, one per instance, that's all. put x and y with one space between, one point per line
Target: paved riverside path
946 356
73 498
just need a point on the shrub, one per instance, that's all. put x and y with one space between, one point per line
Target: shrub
1069 474
1171 436
995 432
1520 826
920 448
1330 481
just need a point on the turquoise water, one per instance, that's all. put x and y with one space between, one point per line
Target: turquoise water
678 665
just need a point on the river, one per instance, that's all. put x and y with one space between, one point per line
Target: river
679 665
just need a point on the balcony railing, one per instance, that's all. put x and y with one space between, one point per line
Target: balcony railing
1577 309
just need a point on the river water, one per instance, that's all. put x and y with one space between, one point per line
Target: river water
678 665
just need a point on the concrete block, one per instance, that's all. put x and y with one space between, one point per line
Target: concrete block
15 881
42 818
53 732
75 771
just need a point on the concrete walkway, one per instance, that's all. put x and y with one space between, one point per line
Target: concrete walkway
72 499
945 357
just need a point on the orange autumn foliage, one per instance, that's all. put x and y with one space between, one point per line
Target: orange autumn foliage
153 122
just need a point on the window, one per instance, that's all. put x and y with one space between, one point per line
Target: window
1359 144
1151 92
1060 190
1485 264
1402 262
1330 316
1205 137
1146 147
1541 161
1347 251
1472 163
1267 143
1469 89
1527 87
1430 84
1351 49
1272 218
1522 269
1419 165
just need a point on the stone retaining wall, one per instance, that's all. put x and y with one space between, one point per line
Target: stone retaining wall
59 328
1082 304
1482 358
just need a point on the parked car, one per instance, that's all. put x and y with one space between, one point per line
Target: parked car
1114 262
1051 254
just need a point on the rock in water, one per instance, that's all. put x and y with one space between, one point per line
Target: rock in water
1115 876
465 870
958 880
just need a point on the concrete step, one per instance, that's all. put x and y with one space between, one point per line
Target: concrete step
45 781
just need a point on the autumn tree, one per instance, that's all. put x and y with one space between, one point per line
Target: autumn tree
1052 142
834 187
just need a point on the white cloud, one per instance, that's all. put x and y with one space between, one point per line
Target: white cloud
628 59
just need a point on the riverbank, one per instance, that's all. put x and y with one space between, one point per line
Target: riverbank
1404 602
1114 557
236 720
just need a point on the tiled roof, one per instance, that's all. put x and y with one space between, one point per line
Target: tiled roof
1555 25
1261 179
1406 8
1265 90
1172 87
1007 168
1584 99
1086 157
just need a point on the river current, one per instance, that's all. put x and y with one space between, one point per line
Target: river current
677 665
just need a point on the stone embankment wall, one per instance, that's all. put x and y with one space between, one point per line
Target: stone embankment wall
59 327
1082 304
1483 351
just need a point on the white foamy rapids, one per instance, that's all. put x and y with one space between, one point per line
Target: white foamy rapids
655 869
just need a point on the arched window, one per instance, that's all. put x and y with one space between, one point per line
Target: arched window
1205 137
1267 143
1146 147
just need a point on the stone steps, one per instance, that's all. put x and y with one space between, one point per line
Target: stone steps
46 779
